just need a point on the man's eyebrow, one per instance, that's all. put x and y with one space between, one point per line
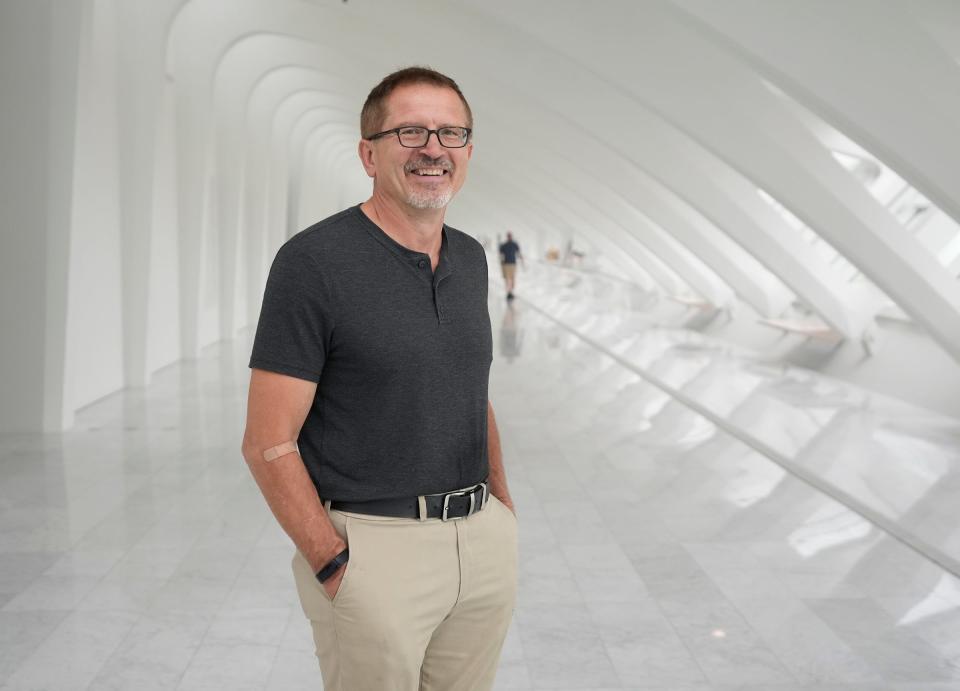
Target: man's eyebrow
417 124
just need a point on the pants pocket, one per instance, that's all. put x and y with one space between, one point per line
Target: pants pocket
313 596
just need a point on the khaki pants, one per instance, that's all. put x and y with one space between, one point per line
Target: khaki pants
423 605
509 271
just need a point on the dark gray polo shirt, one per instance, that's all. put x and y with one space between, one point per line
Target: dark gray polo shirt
401 356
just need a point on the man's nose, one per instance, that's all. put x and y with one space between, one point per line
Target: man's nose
433 148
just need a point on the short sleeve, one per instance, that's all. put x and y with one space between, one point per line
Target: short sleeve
295 327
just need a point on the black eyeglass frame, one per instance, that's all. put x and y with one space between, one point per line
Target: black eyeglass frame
396 131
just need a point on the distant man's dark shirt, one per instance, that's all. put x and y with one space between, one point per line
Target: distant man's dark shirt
401 356
509 251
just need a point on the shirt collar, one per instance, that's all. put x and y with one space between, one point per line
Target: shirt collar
408 256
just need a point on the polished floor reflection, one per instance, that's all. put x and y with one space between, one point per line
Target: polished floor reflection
658 549
895 464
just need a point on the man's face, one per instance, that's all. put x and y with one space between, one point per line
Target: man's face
427 177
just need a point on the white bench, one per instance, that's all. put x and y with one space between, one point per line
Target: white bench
814 330
698 303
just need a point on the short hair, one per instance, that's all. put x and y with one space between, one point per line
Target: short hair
375 107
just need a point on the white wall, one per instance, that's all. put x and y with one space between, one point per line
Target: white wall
163 335
94 346
150 148
38 62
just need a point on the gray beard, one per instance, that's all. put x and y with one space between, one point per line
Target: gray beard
430 201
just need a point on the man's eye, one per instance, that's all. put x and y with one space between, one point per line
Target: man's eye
411 131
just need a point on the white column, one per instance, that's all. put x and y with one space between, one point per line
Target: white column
39 45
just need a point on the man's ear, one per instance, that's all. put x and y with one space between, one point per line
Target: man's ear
367 157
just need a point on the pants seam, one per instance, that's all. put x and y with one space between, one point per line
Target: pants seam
336 630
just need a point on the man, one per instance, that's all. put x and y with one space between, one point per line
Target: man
509 252
373 352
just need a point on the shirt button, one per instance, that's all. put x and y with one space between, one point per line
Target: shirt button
421 263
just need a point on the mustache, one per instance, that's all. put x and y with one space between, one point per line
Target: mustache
427 162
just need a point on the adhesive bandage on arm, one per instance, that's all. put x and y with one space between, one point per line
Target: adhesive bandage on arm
275 452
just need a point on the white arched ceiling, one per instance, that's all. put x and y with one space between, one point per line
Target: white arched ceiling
200 37
320 151
653 68
867 66
654 57
603 230
740 273
302 76
280 48
604 211
340 129
275 97
521 142
259 77
243 148
940 19
609 124
650 206
340 159
721 195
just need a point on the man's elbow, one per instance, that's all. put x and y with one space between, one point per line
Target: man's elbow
247 451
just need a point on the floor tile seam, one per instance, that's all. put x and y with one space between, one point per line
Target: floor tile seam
681 639
773 651
37 645
580 589
603 643
760 568
96 673
120 641
518 628
273 662
203 637
860 646
78 540
116 565
625 683
96 584
236 575
746 622
919 546
213 618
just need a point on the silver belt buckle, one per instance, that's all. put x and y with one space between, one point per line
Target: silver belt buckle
462 493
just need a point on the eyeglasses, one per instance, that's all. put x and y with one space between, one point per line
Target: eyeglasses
417 137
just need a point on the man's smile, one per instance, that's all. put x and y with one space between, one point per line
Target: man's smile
429 171
429 168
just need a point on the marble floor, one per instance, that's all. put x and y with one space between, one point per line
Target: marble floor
661 547
893 463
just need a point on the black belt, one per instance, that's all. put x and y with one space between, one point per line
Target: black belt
457 504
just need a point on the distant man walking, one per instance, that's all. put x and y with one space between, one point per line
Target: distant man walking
509 253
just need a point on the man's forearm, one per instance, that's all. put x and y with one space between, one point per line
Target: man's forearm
498 477
292 497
